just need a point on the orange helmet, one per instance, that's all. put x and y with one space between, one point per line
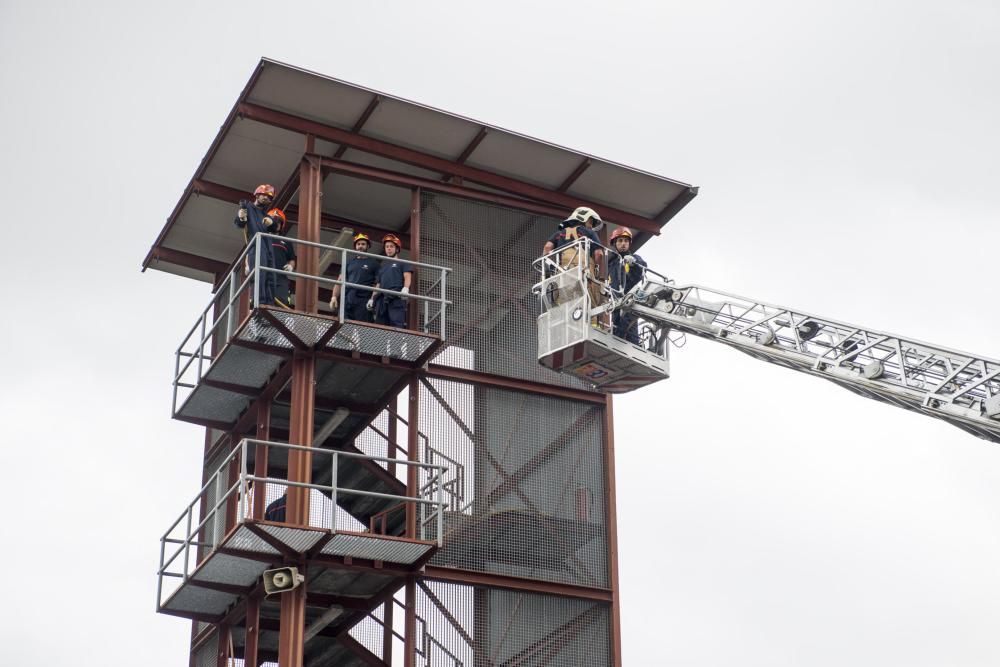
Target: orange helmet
280 215
264 189
361 236
621 231
394 239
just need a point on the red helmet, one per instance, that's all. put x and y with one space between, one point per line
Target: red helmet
264 189
394 239
621 231
280 215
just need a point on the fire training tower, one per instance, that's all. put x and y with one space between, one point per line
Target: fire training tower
445 499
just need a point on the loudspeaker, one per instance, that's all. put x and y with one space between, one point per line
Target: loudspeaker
282 580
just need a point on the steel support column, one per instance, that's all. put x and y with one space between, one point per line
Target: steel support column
291 644
310 192
410 629
415 306
413 454
612 524
252 625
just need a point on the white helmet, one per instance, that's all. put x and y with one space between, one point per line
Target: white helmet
583 215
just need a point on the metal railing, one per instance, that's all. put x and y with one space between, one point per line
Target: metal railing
211 331
227 501
565 282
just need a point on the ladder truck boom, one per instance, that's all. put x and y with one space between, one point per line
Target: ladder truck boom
960 388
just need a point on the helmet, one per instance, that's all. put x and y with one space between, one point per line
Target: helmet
583 215
361 236
280 215
264 189
394 239
621 231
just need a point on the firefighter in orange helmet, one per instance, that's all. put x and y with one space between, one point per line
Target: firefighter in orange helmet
284 256
360 270
625 271
253 219
394 274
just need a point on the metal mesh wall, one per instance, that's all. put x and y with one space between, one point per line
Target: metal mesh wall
207 654
489 249
370 632
465 626
532 502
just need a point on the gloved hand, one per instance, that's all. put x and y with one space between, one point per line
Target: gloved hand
628 259
268 222
404 291
371 304
334 301
242 214
288 267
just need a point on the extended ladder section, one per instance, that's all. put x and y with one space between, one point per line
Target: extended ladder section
960 388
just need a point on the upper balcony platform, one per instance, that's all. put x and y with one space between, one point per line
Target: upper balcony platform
238 343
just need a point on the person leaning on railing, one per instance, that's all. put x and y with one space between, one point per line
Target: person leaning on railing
396 275
625 271
362 271
253 219
582 223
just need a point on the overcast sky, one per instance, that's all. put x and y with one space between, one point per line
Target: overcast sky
847 154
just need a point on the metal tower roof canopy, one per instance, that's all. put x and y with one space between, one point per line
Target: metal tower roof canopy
264 138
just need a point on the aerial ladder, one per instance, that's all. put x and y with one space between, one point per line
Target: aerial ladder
960 388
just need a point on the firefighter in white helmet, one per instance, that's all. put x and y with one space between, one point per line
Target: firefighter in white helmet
583 222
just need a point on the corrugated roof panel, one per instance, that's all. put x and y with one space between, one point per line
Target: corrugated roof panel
630 191
511 155
420 128
205 228
310 96
366 201
253 153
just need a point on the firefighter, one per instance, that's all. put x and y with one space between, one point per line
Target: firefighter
625 271
583 222
284 256
253 219
394 274
362 271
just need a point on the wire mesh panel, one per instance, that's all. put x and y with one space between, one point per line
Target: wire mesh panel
532 494
465 626
207 653
490 249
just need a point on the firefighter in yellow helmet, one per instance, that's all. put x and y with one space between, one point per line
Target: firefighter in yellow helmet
360 270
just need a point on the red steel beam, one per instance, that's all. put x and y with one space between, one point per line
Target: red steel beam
360 122
409 181
434 163
462 375
571 179
189 260
468 578
328 222
473 145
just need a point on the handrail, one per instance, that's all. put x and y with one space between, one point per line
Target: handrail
245 484
227 295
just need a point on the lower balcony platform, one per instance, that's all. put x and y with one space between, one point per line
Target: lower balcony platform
353 567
